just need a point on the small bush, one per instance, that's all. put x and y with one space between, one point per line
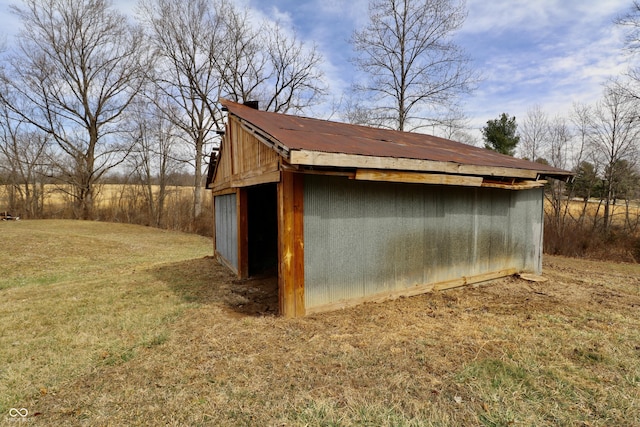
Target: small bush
203 224
573 240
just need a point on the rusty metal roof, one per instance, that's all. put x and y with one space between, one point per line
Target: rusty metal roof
301 133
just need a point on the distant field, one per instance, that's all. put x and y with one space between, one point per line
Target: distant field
104 324
595 207
106 194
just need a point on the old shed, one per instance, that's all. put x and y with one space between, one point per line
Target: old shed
345 214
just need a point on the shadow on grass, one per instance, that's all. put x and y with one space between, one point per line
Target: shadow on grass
205 281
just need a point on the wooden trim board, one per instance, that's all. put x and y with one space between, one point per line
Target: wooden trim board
263 178
318 158
242 210
418 178
522 185
222 260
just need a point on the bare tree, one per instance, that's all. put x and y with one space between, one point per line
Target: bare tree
580 118
630 86
356 112
188 39
585 163
78 64
295 81
412 63
558 142
267 63
615 129
557 136
534 133
206 49
24 151
242 64
631 21
154 156
454 124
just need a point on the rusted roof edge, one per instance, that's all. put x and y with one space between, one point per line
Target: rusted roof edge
298 156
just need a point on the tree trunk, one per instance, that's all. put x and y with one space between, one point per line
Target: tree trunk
197 192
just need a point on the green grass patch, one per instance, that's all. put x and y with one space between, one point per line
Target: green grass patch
76 295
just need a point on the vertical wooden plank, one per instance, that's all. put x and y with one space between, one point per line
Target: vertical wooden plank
233 145
243 233
286 295
290 245
213 203
298 241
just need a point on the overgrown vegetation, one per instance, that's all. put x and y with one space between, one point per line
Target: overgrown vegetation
575 228
124 202
157 334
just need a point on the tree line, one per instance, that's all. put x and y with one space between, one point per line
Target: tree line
600 144
87 91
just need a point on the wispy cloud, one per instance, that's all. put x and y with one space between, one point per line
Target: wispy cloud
530 52
326 24
546 52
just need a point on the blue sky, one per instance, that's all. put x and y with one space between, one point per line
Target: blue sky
550 53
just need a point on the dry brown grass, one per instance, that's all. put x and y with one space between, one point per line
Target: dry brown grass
106 194
618 211
563 352
76 295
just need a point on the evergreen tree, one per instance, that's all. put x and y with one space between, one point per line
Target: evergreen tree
586 180
501 135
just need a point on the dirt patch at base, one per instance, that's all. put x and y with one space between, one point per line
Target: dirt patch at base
256 296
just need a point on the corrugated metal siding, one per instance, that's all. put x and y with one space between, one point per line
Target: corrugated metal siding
227 228
363 238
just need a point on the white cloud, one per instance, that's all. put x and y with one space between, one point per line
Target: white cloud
547 52
327 24
497 16
354 11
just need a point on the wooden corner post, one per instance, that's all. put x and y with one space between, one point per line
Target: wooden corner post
291 244
242 208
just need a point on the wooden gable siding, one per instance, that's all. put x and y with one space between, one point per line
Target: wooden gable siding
244 160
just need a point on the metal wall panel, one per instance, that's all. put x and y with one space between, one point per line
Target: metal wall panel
364 238
227 228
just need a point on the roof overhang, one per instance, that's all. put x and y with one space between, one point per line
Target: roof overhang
288 136
341 160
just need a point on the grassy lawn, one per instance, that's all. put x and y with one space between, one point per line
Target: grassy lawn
106 324
75 296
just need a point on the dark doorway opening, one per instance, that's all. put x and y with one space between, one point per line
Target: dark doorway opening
262 219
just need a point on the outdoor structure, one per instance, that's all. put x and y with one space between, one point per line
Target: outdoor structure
345 214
